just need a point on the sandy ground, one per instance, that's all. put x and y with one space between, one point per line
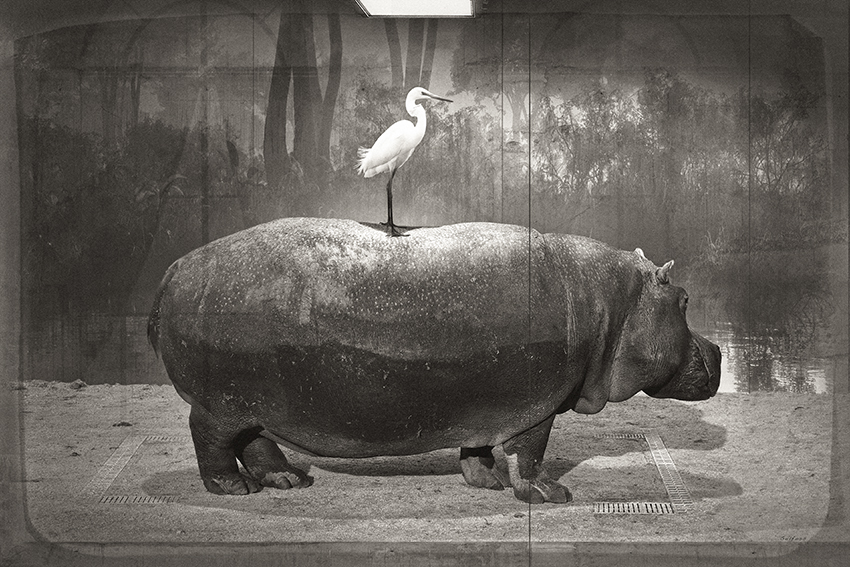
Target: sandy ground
757 467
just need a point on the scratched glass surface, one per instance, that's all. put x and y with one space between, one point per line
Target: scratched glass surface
143 139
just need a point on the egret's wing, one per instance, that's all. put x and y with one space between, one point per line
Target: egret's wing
389 150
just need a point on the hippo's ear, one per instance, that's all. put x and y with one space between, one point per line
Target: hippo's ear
662 274
640 253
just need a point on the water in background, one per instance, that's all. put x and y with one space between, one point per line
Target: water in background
775 364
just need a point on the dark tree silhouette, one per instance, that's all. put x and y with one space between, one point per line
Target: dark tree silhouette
415 70
313 111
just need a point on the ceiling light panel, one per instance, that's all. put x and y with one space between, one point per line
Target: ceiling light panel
417 8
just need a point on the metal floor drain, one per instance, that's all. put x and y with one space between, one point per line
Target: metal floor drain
106 475
113 466
680 499
124 499
632 508
165 438
621 435
676 489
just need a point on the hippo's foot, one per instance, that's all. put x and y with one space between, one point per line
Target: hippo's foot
524 454
264 460
479 469
286 480
219 442
231 484
541 489
266 463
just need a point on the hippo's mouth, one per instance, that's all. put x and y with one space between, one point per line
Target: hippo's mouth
710 354
699 377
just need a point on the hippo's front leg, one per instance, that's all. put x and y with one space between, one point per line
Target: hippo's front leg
524 453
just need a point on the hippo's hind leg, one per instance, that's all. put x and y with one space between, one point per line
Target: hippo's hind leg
524 454
480 469
266 463
220 441
214 448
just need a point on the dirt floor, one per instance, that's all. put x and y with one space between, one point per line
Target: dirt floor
757 467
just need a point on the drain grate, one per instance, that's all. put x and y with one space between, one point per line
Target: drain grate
165 438
113 466
620 435
632 508
106 475
680 499
676 489
124 499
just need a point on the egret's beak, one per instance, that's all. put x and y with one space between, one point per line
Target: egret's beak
426 95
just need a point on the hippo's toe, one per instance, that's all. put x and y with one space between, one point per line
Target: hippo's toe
235 485
542 489
284 480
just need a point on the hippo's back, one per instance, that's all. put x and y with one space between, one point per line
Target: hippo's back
439 292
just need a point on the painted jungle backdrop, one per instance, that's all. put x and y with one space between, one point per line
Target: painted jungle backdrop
702 139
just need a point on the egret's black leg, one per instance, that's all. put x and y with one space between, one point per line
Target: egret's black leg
393 230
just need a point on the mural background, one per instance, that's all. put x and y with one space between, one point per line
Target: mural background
702 138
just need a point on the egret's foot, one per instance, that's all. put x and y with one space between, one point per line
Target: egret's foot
394 230
232 484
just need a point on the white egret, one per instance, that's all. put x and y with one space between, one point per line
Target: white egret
395 146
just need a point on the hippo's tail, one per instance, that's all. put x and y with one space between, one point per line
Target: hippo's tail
153 318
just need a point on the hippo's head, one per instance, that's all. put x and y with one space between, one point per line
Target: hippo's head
657 352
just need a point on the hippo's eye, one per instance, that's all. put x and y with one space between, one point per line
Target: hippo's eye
683 302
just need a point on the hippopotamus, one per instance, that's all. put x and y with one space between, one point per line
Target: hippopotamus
329 338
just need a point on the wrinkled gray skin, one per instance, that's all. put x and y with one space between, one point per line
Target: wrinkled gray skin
329 337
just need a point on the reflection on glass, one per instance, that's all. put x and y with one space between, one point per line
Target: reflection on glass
141 140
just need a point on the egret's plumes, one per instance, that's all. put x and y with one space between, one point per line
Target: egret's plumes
395 146
392 148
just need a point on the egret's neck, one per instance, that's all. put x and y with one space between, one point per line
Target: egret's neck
418 112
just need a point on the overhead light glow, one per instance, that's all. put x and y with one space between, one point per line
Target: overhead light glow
417 8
